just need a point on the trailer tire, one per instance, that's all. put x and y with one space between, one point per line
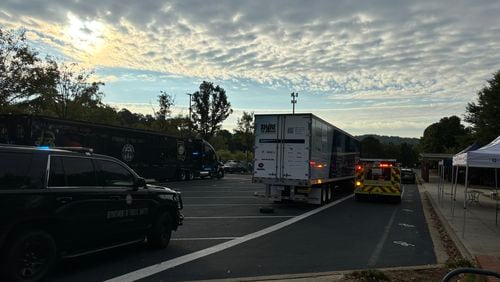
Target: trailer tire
190 175
323 195
182 175
329 197
220 173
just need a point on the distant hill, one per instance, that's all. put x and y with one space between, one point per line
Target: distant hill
396 140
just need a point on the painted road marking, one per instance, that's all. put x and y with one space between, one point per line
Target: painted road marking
378 249
403 243
162 266
225 205
201 239
406 225
218 191
222 197
238 217
407 210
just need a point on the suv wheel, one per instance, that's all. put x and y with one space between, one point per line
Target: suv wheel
31 256
220 173
160 233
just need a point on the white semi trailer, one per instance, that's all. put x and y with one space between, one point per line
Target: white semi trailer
301 157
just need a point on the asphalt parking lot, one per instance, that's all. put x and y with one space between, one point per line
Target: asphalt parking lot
220 214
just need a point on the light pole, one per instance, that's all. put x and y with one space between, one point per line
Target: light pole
294 100
190 110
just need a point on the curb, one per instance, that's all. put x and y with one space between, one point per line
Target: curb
464 251
439 249
333 275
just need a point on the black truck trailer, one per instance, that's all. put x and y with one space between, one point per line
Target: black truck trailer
151 154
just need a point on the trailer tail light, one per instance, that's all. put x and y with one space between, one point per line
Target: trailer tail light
316 165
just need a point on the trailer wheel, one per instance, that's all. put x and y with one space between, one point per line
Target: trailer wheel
190 175
330 194
182 175
323 195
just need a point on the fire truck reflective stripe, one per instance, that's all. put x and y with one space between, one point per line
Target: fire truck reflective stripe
379 189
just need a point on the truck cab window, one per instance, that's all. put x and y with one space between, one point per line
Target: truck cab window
113 174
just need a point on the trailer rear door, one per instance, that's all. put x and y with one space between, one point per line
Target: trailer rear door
295 142
267 147
282 146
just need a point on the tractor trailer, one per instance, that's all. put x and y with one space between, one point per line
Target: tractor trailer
152 154
300 157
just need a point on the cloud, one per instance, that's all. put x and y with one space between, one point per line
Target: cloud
423 52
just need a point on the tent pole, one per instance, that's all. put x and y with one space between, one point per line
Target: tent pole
465 197
440 168
444 183
496 196
439 182
454 192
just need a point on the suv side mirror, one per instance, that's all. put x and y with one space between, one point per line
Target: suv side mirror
140 182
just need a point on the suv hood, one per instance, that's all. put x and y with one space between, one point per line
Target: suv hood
162 189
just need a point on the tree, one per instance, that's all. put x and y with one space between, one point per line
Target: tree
211 108
444 136
485 115
371 148
166 101
76 93
408 156
244 132
23 76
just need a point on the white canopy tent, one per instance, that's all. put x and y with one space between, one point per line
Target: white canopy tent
486 157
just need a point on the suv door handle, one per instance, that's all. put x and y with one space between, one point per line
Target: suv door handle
116 198
64 200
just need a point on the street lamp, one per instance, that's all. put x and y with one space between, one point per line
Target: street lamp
190 109
294 100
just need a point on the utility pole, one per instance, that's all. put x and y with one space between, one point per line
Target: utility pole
190 110
294 100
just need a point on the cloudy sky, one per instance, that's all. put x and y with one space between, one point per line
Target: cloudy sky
384 67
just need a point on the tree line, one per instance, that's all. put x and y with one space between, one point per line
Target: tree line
30 84
450 135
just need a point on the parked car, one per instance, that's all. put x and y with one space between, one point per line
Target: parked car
62 203
234 167
408 176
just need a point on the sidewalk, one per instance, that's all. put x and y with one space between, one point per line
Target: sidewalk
481 235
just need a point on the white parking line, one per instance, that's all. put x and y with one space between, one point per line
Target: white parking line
238 217
217 191
225 205
201 239
162 266
378 249
221 197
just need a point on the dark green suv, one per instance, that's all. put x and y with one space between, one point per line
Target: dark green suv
60 203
